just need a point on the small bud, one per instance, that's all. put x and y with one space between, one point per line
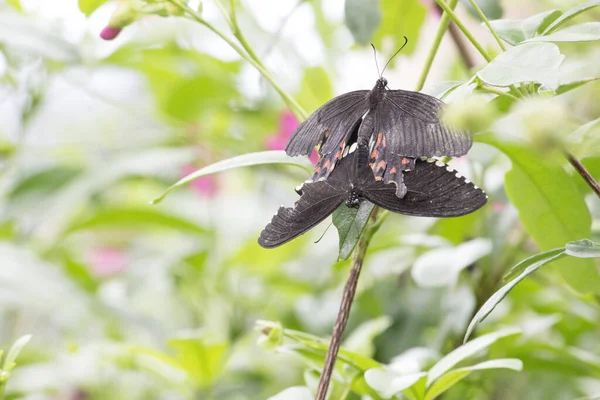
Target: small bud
109 33
271 334
546 122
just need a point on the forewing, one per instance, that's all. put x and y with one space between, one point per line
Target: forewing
434 190
329 125
411 125
318 200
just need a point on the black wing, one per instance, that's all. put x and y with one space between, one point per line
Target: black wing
318 201
434 190
329 125
411 125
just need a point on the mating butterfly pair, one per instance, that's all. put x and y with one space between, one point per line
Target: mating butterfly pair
391 128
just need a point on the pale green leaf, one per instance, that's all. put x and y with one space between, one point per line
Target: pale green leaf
465 351
401 18
388 384
529 62
245 160
583 248
573 12
361 339
293 393
517 31
584 32
10 360
451 378
500 294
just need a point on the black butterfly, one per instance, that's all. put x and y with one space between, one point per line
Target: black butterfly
434 190
403 124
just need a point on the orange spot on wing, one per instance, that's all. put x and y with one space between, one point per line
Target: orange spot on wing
379 139
393 171
405 161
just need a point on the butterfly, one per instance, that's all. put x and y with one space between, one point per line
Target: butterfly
397 124
433 190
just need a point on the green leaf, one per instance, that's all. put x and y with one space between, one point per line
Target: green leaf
573 12
316 89
350 223
361 339
293 393
137 218
401 18
162 365
587 31
202 358
465 351
440 89
245 160
492 9
551 209
522 266
28 36
583 248
362 18
516 31
442 266
89 6
451 378
529 62
10 360
500 294
388 384
574 73
585 140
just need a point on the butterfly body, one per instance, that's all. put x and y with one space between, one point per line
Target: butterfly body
392 124
433 190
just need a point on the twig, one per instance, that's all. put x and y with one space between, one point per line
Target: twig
585 174
346 305
463 28
461 46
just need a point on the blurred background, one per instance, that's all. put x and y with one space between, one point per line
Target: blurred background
127 300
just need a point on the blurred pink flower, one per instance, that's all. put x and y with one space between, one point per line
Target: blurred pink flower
287 125
109 33
106 261
498 206
205 186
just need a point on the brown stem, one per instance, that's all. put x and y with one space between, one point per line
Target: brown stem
461 45
585 174
346 305
459 41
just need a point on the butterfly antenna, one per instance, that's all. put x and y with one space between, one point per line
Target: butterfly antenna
375 57
324 232
395 54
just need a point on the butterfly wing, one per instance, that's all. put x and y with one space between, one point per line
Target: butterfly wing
329 125
434 190
411 126
318 201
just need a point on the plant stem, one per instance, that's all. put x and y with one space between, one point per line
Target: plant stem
346 304
487 23
461 46
289 100
497 91
444 21
463 28
585 174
